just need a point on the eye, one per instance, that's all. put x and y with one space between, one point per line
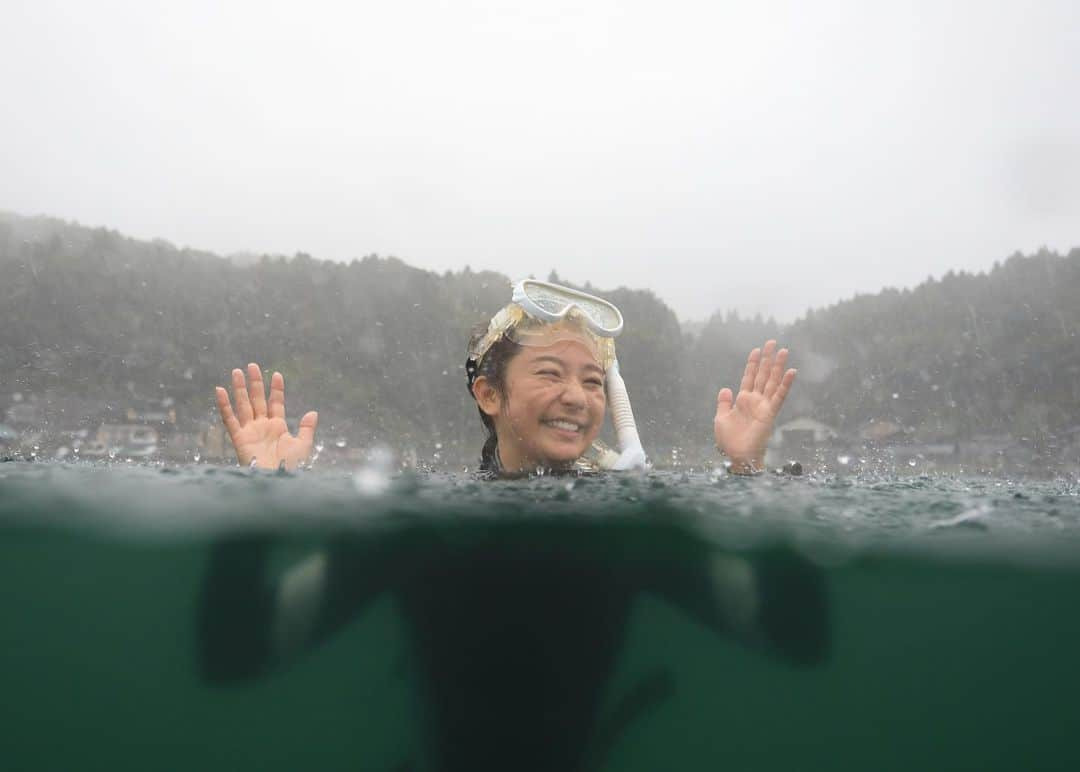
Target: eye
595 382
549 373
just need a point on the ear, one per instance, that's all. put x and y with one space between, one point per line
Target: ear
487 396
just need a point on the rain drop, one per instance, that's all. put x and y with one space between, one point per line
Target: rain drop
374 477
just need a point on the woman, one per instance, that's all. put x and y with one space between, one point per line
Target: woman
541 386
513 641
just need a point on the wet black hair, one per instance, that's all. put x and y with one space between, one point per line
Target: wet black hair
493 367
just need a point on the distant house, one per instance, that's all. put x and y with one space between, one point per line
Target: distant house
882 431
804 433
92 449
157 417
129 440
182 446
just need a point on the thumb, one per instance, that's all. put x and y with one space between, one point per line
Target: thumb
724 401
306 432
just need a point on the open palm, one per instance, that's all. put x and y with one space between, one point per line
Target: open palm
257 429
743 424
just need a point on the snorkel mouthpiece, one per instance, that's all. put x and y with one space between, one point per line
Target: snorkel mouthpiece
537 305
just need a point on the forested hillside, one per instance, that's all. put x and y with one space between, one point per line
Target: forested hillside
91 321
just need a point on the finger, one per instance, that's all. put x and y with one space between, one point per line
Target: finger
776 373
765 366
257 390
277 396
782 392
240 395
747 383
232 426
306 432
724 401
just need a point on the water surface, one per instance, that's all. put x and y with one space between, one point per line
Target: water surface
951 619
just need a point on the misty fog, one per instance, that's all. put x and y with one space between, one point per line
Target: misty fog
341 194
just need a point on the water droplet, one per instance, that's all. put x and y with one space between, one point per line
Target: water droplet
374 477
895 395
912 462
843 460
112 453
197 457
341 443
438 446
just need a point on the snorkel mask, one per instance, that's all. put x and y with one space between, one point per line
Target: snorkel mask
541 311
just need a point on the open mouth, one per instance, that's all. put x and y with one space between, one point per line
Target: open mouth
564 425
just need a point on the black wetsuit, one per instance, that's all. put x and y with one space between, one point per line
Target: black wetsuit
514 642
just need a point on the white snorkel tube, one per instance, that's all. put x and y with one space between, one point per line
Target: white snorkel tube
631 453
552 303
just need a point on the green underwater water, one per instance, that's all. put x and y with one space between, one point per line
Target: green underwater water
952 620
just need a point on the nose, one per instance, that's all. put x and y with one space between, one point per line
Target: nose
573 394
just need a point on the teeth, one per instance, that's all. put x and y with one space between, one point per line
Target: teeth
572 427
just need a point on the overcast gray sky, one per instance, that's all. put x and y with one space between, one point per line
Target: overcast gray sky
763 156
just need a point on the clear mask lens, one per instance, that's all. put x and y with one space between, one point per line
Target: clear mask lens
536 333
556 301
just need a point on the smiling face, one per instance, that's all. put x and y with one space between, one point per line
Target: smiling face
552 407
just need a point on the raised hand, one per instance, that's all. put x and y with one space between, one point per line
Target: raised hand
743 424
257 429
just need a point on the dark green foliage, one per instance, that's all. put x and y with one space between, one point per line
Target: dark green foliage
969 354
